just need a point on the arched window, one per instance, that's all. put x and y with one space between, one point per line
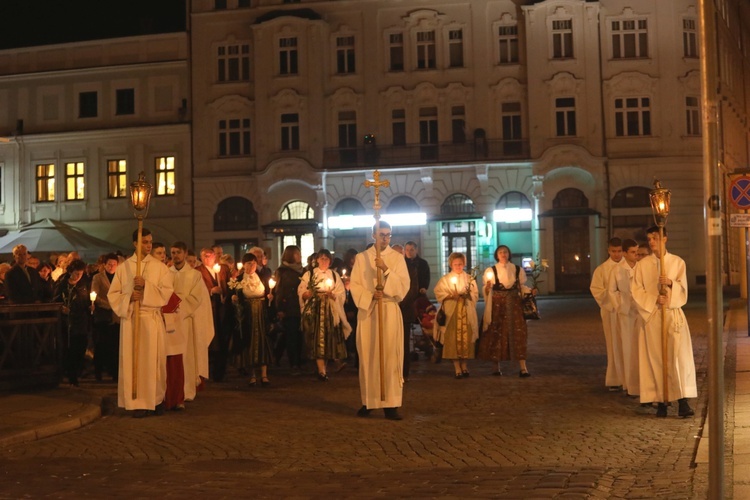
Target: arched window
457 204
631 213
519 206
570 198
632 197
349 206
402 205
297 210
235 214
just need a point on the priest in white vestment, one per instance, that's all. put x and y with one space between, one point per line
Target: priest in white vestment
396 285
599 285
681 365
195 317
153 289
629 323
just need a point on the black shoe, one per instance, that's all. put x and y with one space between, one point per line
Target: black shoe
392 414
140 413
497 373
363 412
524 374
264 382
661 410
465 373
459 375
684 408
322 377
252 382
159 410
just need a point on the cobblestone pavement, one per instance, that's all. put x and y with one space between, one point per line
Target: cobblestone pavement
557 434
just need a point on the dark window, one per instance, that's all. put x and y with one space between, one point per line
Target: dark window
234 137
632 116
290 132
398 120
396 51
220 4
565 116
345 61
235 214
458 125
632 197
288 56
511 127
125 101
456 48
508 40
426 50
88 105
562 39
428 133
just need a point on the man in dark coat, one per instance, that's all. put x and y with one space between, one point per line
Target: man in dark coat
23 285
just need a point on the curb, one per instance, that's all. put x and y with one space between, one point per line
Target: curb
74 420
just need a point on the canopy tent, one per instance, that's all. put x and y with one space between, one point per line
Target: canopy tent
48 235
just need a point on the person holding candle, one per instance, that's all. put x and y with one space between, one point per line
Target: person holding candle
73 291
250 295
457 294
216 280
321 296
504 334
106 322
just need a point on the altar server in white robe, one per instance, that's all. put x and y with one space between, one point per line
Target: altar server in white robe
599 286
196 319
620 282
153 289
681 365
362 285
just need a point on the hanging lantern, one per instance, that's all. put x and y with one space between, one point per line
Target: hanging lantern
660 199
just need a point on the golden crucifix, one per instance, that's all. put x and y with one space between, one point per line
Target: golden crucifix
377 184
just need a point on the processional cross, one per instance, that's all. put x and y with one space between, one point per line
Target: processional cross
377 184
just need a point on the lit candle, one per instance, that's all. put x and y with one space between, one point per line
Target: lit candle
488 276
343 273
329 284
217 268
239 266
92 296
271 283
454 281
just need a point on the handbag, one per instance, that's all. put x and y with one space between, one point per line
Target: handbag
530 309
441 317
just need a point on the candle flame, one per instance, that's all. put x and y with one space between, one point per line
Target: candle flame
271 283
217 268
92 296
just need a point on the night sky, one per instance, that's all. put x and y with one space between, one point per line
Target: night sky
39 22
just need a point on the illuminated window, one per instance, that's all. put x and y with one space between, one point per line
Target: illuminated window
75 186
117 178
165 181
45 182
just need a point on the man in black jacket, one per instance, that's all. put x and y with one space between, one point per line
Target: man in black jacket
23 285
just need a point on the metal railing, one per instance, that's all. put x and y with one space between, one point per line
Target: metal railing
416 154
30 346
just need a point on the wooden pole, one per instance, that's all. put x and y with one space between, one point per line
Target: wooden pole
137 309
664 337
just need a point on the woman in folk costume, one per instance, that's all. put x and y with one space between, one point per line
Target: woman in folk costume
250 299
324 325
457 293
504 334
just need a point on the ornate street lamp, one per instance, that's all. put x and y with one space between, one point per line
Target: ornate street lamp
140 196
660 201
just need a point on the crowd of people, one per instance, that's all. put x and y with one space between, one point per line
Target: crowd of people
163 322
640 305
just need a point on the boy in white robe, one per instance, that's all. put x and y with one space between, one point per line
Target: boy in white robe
627 314
152 289
195 317
599 285
396 285
680 363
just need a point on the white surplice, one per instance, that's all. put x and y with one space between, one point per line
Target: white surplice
396 286
196 321
599 286
681 365
151 353
629 324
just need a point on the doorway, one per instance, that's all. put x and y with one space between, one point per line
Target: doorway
572 266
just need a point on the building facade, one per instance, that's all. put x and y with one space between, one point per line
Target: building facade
81 120
536 124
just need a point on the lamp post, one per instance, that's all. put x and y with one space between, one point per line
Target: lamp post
140 196
660 200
